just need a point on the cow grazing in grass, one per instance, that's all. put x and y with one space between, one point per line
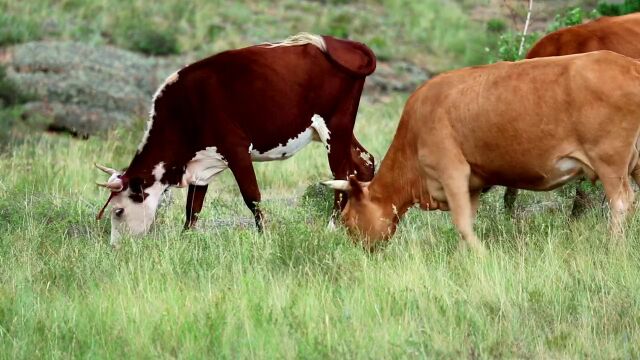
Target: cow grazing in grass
466 130
620 34
259 103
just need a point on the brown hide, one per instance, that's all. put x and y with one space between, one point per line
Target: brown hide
477 127
620 34
257 98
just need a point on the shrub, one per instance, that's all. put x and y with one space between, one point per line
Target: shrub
509 45
9 93
627 7
573 16
137 33
14 30
496 25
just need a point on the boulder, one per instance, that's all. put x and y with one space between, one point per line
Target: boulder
85 89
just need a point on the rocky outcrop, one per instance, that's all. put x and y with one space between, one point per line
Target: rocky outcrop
82 88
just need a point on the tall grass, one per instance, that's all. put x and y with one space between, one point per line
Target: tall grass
549 287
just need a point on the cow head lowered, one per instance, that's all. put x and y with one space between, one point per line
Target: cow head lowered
133 203
364 216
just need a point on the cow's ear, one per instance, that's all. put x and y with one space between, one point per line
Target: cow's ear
357 188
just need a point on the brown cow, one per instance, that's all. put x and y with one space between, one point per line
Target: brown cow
620 34
260 103
466 130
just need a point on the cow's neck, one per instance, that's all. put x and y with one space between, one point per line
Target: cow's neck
397 186
171 155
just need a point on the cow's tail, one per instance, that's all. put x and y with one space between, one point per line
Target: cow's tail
352 57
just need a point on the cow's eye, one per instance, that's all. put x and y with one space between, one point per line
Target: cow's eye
119 212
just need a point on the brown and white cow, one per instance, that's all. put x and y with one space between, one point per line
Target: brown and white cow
467 130
620 34
259 103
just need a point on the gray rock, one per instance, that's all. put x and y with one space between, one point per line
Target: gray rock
85 89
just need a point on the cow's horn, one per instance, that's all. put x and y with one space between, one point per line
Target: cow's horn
113 186
109 171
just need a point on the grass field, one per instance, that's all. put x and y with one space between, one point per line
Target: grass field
549 287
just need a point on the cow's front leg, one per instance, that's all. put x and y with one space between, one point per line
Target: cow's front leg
340 163
242 169
195 200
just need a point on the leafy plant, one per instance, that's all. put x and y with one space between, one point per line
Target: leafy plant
627 7
571 17
496 25
15 30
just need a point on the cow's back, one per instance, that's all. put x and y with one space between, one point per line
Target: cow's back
619 34
270 93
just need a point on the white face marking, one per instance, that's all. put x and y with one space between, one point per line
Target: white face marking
317 130
134 218
152 112
203 167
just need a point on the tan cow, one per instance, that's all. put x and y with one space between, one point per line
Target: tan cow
534 124
620 34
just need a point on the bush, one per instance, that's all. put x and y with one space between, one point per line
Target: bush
608 9
14 30
137 33
509 45
571 17
9 92
496 25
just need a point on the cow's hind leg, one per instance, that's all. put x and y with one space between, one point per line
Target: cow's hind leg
463 205
242 169
510 196
620 196
195 200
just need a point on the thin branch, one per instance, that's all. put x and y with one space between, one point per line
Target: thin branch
526 28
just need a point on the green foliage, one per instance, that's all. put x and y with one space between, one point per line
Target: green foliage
570 17
15 29
496 25
616 9
509 45
9 92
135 32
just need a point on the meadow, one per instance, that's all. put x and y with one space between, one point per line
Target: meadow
549 287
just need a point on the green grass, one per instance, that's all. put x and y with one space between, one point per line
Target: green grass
436 34
549 287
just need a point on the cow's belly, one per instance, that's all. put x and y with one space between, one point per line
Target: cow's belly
208 163
316 131
544 176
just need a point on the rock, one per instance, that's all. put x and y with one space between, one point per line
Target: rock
395 76
82 88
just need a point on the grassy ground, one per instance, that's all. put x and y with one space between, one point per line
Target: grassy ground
549 288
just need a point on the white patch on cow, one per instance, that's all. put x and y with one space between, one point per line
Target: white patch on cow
322 131
302 38
250 148
136 219
158 171
203 167
152 111
317 131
